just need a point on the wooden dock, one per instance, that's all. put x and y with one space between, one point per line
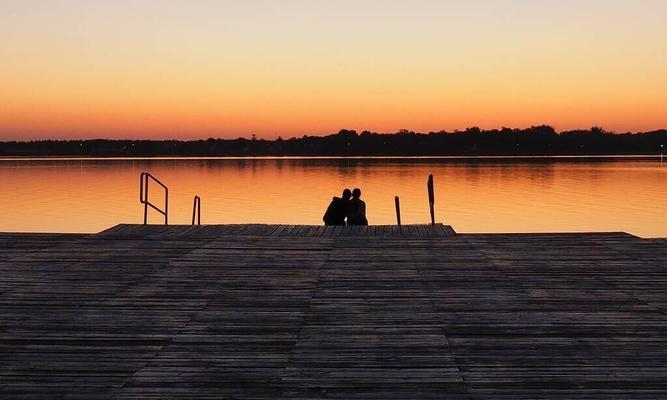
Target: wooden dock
301 312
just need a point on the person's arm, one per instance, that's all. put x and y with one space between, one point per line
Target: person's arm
327 214
362 215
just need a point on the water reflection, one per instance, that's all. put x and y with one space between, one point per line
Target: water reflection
488 195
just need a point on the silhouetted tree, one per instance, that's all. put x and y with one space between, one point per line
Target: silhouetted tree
536 140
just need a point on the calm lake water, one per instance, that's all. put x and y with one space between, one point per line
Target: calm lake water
473 195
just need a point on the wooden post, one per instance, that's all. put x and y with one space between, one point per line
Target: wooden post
196 210
398 210
431 198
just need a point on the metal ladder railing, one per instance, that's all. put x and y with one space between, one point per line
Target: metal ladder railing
144 179
196 210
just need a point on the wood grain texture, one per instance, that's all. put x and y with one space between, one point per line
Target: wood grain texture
381 312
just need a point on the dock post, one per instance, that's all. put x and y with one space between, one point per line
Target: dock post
196 210
431 198
398 210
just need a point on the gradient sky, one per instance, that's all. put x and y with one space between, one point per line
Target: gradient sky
195 69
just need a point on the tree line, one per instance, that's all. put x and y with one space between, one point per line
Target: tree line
537 140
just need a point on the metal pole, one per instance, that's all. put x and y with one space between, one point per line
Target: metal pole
141 195
431 198
145 191
166 205
398 210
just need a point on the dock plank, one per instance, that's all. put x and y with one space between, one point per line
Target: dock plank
269 312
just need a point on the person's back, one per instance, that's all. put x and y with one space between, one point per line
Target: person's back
357 212
336 212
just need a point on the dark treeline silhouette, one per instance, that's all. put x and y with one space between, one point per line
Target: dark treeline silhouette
537 140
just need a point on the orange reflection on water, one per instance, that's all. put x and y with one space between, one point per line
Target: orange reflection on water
471 195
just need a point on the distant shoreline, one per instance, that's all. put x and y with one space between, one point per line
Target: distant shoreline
598 157
537 141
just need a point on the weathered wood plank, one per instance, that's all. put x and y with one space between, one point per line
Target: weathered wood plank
262 311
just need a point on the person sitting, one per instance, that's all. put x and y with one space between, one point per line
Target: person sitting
357 212
337 210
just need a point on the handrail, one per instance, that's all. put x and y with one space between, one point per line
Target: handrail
196 208
143 196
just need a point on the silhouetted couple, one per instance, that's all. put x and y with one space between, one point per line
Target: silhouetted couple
349 207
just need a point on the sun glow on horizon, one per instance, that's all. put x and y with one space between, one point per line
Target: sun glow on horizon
168 69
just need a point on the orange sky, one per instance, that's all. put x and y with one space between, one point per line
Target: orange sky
163 69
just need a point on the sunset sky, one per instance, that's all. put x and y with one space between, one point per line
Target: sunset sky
195 69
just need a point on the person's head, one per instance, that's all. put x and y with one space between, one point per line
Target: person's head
347 194
356 193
